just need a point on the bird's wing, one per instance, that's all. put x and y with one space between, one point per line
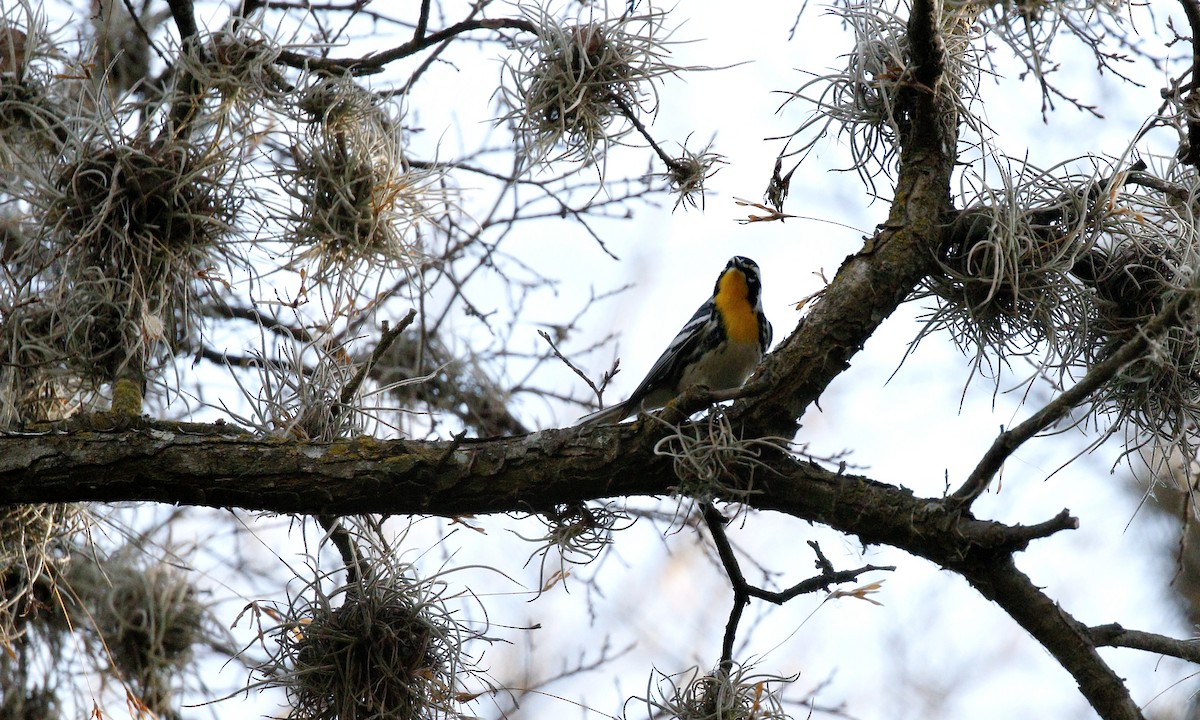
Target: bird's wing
689 336
765 332
683 345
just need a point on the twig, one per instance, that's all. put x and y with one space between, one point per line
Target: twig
137 22
340 537
385 341
1018 537
829 576
743 591
375 62
674 165
455 442
263 320
599 390
741 597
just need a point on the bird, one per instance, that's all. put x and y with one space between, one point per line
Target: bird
718 348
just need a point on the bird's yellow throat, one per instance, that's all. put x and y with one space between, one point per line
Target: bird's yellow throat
733 302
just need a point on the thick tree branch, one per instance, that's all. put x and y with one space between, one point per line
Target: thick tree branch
216 466
1191 152
1063 636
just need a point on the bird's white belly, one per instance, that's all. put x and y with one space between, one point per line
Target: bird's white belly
726 367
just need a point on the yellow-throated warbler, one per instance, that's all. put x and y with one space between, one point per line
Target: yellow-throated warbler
718 348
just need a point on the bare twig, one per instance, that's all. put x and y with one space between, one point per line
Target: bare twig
627 110
375 62
386 338
743 590
341 539
604 380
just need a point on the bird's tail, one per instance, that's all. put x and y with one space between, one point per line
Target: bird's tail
608 416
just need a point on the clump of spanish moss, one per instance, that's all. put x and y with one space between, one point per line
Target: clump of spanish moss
360 203
710 459
1068 268
578 533
145 210
128 231
733 694
574 86
1005 284
145 616
58 348
31 115
239 65
383 645
1148 261
304 394
34 545
861 103
687 173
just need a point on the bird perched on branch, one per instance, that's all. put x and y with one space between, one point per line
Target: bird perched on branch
718 348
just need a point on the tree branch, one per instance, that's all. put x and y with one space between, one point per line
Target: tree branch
386 338
1116 636
217 466
1063 636
1191 154
184 16
220 466
1009 440
375 62
715 522
422 21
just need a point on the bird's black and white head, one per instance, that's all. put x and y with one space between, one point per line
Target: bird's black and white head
749 270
